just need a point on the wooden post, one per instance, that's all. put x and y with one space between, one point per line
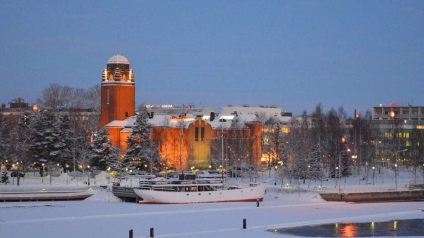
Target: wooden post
131 234
244 223
152 232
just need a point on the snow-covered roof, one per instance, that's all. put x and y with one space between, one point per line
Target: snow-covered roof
118 59
174 121
116 123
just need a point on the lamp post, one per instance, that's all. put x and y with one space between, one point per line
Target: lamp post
336 174
275 172
42 174
396 176
67 175
373 174
89 173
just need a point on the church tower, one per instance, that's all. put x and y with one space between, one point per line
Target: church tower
118 90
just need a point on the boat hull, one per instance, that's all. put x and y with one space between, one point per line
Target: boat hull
242 194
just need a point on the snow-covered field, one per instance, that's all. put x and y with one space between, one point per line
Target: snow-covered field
102 215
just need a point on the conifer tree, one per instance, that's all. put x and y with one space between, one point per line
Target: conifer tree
103 155
46 141
65 140
141 150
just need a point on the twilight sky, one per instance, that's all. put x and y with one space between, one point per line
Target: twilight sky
293 54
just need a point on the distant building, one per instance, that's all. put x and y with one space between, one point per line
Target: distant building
265 112
400 133
394 111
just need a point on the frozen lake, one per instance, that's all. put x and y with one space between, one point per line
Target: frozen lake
102 216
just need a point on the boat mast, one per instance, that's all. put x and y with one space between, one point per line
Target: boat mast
181 139
222 148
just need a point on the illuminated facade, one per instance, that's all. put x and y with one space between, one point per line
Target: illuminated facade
199 138
117 90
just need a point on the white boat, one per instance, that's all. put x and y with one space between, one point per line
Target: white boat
193 191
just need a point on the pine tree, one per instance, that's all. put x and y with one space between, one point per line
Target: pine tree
46 142
65 141
103 155
141 150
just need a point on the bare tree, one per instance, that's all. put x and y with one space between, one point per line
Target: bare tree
238 144
93 96
58 96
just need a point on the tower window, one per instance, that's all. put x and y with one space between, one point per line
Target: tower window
126 114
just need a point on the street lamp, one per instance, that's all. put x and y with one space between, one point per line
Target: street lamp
42 174
396 175
275 172
89 173
373 174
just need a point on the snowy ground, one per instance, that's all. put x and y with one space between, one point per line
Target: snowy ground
102 215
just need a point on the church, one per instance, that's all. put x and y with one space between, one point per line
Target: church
185 138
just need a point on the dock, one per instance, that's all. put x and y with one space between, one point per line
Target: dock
378 196
126 194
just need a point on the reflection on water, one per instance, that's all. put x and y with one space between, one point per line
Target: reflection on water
347 230
412 227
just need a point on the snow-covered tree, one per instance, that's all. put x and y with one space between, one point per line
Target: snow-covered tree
64 127
295 167
46 137
215 157
237 144
334 132
22 143
141 149
102 154
6 141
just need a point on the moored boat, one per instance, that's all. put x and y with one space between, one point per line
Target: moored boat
187 191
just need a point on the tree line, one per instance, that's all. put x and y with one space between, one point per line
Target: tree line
321 145
312 146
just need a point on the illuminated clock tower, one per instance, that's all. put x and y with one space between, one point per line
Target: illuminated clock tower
118 90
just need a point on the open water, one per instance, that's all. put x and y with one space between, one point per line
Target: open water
395 228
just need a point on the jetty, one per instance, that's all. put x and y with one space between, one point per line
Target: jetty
126 194
412 193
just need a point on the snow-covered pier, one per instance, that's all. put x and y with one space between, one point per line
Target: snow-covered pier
377 196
